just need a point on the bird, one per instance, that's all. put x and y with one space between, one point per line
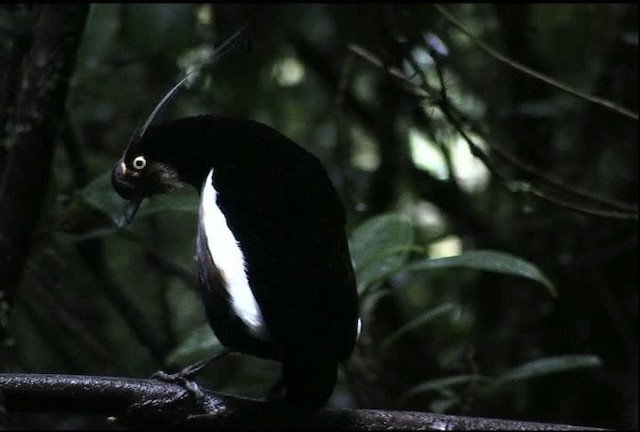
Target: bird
275 272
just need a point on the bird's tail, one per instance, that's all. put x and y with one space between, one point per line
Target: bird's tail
308 380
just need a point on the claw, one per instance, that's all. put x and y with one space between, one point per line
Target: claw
186 377
181 379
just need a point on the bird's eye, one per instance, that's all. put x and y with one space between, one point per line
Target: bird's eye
139 162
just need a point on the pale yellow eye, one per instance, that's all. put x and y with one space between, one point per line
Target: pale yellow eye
139 162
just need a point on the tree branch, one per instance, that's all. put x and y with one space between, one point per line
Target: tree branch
620 211
532 73
412 87
152 403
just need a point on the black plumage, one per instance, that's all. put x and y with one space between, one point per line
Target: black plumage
289 224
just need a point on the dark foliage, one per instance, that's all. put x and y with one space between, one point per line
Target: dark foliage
487 157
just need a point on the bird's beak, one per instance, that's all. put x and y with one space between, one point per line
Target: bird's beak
129 212
127 190
132 209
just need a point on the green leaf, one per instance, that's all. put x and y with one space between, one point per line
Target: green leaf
201 343
184 201
88 234
380 245
545 366
79 220
442 384
422 319
442 406
369 302
488 260
101 195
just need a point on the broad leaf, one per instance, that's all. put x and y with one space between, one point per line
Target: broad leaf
379 246
443 405
185 201
201 343
545 366
100 195
442 384
369 302
422 319
488 260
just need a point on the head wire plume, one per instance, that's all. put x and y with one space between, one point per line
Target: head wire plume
222 49
219 52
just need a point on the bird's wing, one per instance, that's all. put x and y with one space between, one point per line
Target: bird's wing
289 222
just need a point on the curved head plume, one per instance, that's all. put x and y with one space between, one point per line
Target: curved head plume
217 53
128 184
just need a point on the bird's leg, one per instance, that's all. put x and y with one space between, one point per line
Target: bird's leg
186 376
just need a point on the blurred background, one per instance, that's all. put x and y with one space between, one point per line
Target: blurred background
492 216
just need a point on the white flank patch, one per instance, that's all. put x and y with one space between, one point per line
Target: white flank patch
227 256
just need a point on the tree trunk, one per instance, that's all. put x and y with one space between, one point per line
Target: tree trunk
29 135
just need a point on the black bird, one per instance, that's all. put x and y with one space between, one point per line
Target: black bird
275 272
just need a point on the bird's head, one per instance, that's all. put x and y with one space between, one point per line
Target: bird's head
142 171
145 168
139 174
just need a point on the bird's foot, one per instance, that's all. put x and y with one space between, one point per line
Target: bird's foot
185 380
186 377
192 396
